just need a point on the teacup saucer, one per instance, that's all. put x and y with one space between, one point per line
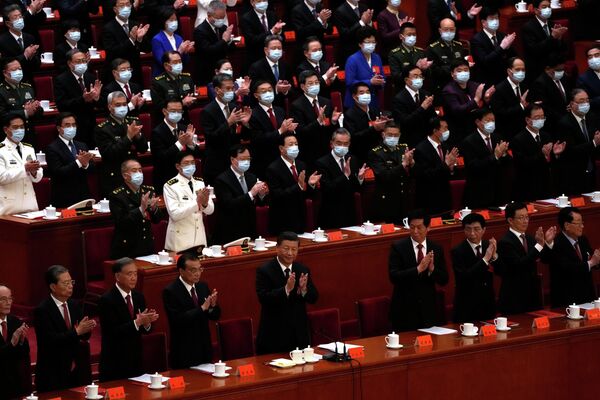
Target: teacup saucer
157 387
508 328
103 212
394 347
167 263
471 335
311 360
225 375
362 232
575 318
299 362
261 249
595 201
97 397
50 218
320 240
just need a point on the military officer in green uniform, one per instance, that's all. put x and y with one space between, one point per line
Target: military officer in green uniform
18 97
118 138
134 207
407 54
172 84
391 163
443 53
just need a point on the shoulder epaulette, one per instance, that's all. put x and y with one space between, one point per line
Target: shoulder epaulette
402 145
198 179
397 49
149 187
377 148
101 124
161 76
418 48
436 43
173 181
186 74
456 42
26 84
118 190
26 144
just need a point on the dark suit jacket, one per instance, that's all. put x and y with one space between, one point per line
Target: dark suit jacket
544 90
69 183
520 289
484 186
9 47
474 298
117 45
80 11
571 280
60 54
326 89
32 22
210 47
15 377
121 355
432 178
537 46
364 137
490 61
69 97
190 342
219 138
283 321
305 24
261 69
337 192
254 34
591 83
58 348
414 300
113 86
388 27
264 138
287 207
236 213
458 105
413 118
533 179
347 23
510 116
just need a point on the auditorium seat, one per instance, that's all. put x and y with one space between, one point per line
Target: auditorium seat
44 135
154 352
373 316
195 119
146 121
146 77
262 220
457 188
186 28
96 249
235 338
232 18
311 218
336 100
42 192
358 209
159 232
44 87
324 326
46 40
148 172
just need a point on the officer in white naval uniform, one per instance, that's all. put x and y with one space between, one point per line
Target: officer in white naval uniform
186 199
18 169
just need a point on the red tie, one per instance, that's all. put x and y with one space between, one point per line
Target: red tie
478 248
4 331
488 142
127 91
294 172
194 296
578 251
316 107
66 316
440 152
420 254
129 305
272 118
524 240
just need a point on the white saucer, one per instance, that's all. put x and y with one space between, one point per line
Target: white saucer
167 263
103 212
595 201
508 328
299 363
157 387
522 12
263 249
97 397
225 375
50 218
362 232
471 335
311 360
555 7
580 317
320 240
568 205
394 347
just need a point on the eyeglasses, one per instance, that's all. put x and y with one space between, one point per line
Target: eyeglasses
67 283
6 299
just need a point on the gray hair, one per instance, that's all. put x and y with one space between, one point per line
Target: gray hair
72 52
115 95
8 9
125 164
340 131
121 262
214 6
53 273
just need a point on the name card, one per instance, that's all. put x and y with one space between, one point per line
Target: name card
335 236
388 228
246 370
176 382
68 213
593 314
376 70
460 161
341 75
356 352
55 398
387 71
488 330
203 91
369 175
577 202
485 214
541 323
290 35
424 340
115 393
437 221
234 251
530 208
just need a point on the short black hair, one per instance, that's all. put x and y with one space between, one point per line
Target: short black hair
592 47
237 149
358 85
309 40
487 12
7 60
270 38
51 275
220 63
566 215
185 257
575 92
166 57
120 263
511 209
536 3
511 61
365 32
554 60
182 154
287 235
472 219
480 113
304 75
283 136
406 70
164 13
11 116
255 84
220 79
61 117
391 124
407 25
72 52
531 107
419 213
434 123
69 24
114 64
461 62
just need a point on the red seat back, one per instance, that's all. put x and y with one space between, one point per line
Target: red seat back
186 28
336 101
195 118
146 76
159 232
235 338
146 121
457 188
45 134
262 220
96 250
46 40
42 192
44 87
373 316
324 326
232 18
154 351
148 172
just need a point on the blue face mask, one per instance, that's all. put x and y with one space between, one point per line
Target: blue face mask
538 123
226 72
18 135
340 151
463 76
313 90
364 99
80 69
244 165
519 76
558 75
176 69
275 54
493 24
175 117
16 75
445 136
447 36
219 23
121 112
172 26
594 63
395 3
228 96
261 6
137 178
18 24
69 132
124 12
546 12
410 41
267 97
316 56
188 171
391 141
417 83
75 36
125 76
489 127
368 48
584 108
292 152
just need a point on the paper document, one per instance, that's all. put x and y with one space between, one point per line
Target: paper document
587 306
207 368
306 235
33 214
146 379
438 330
340 346
549 201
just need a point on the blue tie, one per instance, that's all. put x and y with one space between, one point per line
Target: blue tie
276 72
73 149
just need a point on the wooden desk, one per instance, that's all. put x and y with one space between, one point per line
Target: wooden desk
559 363
343 271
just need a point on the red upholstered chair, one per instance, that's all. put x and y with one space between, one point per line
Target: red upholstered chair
262 220
154 351
42 192
373 316
146 76
324 326
186 28
232 17
146 121
457 188
96 249
44 87
96 33
358 210
148 172
329 54
235 338
44 135
336 100
311 219
195 118
159 232
46 40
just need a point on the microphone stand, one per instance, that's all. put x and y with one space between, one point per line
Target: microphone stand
335 356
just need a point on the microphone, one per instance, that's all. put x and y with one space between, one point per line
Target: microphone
335 356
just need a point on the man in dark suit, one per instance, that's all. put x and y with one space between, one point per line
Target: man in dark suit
134 207
573 258
124 38
434 166
69 164
15 379
341 177
271 68
212 41
412 107
590 79
314 61
348 18
190 305
78 91
60 326
80 11
72 39
309 18
239 192
473 263
18 44
491 49
581 130
33 15
315 118
520 290
169 138
123 319
284 287
510 99
541 38
486 164
256 24
416 266
288 188
536 156
222 125
121 82
551 90
440 9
